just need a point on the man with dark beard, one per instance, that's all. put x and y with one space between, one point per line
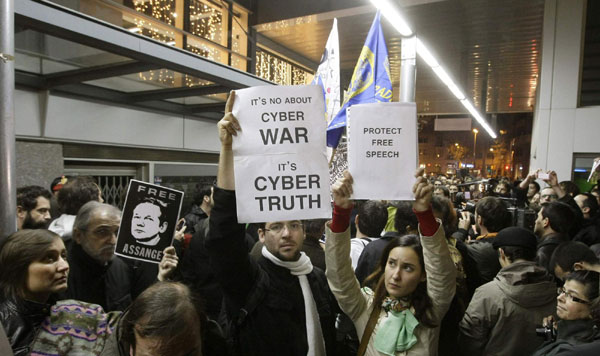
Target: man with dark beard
33 207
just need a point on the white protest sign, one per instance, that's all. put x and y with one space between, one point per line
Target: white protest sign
382 150
280 163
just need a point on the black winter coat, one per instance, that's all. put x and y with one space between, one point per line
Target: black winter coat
20 322
589 233
263 302
109 286
546 247
194 217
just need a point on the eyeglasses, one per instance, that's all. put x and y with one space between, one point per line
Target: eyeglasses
562 290
550 196
277 228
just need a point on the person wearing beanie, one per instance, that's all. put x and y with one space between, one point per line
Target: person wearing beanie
503 314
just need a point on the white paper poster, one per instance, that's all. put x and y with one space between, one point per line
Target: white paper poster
280 163
382 150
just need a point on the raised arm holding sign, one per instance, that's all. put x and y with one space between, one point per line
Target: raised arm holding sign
280 292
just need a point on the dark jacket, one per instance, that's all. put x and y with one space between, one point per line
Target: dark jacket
482 254
20 322
369 258
546 247
109 286
578 223
144 274
314 251
503 314
197 274
589 233
195 216
263 302
571 336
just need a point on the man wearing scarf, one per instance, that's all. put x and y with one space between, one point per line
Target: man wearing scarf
280 304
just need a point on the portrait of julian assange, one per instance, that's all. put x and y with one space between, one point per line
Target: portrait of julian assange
148 222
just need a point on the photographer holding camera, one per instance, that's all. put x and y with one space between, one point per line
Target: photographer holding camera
578 311
491 216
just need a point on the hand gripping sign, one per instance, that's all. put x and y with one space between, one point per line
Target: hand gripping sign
382 150
148 221
280 162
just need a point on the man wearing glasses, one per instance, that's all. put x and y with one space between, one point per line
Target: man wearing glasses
503 314
280 304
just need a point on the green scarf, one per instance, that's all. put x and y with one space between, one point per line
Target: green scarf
396 333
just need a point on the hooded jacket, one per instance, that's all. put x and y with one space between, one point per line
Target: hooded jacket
503 314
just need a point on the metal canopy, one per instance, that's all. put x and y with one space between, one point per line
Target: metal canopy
145 54
97 72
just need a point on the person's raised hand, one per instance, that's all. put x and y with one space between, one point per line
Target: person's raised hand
549 322
167 264
342 190
228 126
552 179
423 192
180 234
533 175
464 221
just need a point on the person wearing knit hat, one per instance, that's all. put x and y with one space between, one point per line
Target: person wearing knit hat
503 314
517 237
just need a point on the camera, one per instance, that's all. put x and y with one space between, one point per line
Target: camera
547 332
469 207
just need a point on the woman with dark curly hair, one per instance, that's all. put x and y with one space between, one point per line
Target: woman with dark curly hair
411 289
578 311
33 267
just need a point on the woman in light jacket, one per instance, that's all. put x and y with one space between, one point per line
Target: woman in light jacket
410 291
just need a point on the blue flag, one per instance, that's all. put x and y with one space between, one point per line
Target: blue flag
370 81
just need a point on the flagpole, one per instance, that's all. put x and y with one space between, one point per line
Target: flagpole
408 69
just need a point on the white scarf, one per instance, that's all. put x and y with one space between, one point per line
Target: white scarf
300 268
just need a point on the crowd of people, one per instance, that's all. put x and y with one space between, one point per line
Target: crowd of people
472 266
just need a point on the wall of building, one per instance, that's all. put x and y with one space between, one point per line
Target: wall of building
38 163
69 120
560 127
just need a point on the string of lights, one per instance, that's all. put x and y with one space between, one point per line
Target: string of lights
207 21
279 71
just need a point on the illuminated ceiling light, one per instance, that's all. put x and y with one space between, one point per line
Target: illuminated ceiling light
390 12
393 16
